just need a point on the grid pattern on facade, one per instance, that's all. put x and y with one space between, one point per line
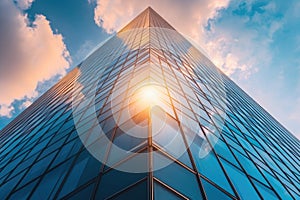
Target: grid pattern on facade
147 19
252 155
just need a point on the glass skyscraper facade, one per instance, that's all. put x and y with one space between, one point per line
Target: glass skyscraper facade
147 116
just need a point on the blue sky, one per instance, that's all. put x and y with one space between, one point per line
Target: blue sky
256 43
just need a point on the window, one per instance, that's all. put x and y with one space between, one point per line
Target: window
187 185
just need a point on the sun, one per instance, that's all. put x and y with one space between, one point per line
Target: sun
148 95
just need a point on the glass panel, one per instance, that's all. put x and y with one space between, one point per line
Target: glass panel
113 181
139 191
209 165
128 143
249 167
67 151
161 192
6 188
188 184
240 182
221 148
282 192
169 136
37 169
85 168
212 192
266 192
51 182
24 192
84 193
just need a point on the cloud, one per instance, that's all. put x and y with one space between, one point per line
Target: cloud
236 49
24 4
114 14
228 38
29 53
240 39
25 104
6 110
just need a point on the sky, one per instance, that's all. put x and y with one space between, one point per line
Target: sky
255 42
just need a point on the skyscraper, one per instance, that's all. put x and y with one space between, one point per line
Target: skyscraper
147 116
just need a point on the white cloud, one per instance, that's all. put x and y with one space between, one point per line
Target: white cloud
231 45
24 4
112 15
241 39
25 104
6 110
236 49
29 54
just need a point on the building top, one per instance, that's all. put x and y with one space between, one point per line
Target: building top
148 18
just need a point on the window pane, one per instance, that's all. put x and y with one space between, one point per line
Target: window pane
240 182
113 181
266 192
24 192
84 193
169 138
185 181
277 186
212 192
86 168
37 169
138 191
250 168
209 165
161 192
51 182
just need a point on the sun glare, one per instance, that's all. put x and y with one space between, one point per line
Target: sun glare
147 96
